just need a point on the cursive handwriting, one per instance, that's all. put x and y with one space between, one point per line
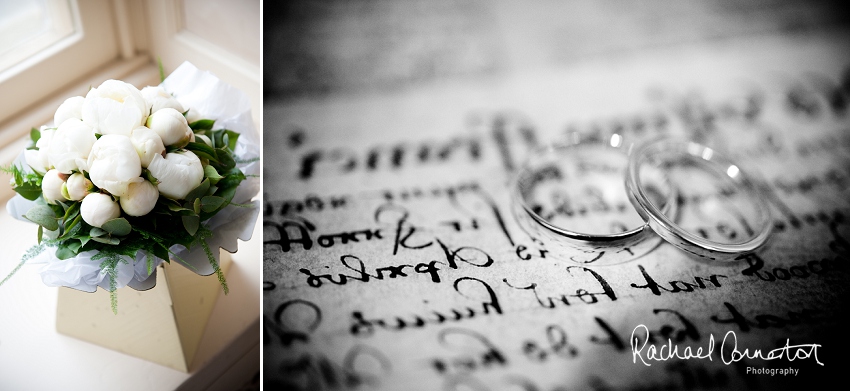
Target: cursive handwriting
582 294
729 352
802 351
478 352
676 286
672 351
489 306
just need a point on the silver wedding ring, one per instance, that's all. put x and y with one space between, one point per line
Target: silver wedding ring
564 190
741 197
571 197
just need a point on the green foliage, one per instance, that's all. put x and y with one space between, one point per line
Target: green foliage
28 185
205 233
43 216
161 70
35 135
31 253
110 263
117 227
171 222
202 124
202 150
190 223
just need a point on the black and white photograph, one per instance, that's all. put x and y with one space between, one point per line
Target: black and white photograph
555 195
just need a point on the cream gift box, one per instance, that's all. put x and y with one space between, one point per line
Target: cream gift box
163 324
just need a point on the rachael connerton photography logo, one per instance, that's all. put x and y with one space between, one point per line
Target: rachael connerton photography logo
729 352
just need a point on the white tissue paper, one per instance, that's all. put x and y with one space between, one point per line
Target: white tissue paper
209 98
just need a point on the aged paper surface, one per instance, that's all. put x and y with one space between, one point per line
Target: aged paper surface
392 259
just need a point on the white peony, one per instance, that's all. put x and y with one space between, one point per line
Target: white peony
98 208
115 107
76 187
37 159
70 108
157 99
171 126
114 164
178 173
51 187
140 198
147 144
69 149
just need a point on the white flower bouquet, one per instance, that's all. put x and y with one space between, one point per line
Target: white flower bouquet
127 179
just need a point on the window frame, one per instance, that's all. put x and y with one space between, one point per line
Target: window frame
92 45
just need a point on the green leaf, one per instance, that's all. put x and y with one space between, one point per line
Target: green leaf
64 253
43 216
196 206
40 233
29 191
70 227
202 124
177 208
199 191
149 177
107 240
202 150
232 137
211 203
35 135
117 227
58 209
74 246
212 174
72 211
172 205
161 252
95 232
225 159
191 223
161 70
217 138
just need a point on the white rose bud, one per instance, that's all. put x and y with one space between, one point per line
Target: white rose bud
140 198
115 107
147 144
157 99
178 173
114 164
76 187
70 146
171 126
37 159
51 186
98 208
70 108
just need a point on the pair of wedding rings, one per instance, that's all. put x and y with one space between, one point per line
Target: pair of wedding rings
572 197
